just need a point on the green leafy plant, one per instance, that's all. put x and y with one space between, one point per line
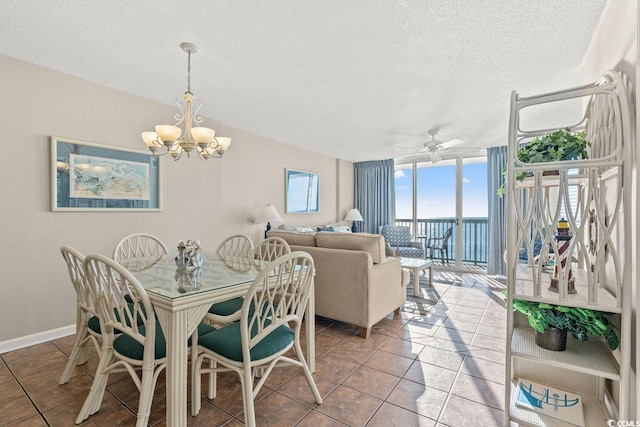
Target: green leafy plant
579 322
559 145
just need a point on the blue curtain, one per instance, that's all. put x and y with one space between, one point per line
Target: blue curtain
375 194
497 226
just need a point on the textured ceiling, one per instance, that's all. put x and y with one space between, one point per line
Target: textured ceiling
349 79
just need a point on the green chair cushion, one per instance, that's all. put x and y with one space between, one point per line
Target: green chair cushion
227 308
226 342
94 324
132 349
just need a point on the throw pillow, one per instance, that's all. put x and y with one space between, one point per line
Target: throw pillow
341 229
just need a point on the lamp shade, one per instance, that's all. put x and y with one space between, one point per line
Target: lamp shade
268 213
353 215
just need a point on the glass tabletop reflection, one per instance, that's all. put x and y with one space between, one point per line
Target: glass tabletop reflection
161 276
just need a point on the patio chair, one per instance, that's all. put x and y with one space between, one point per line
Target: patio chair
264 336
440 244
398 237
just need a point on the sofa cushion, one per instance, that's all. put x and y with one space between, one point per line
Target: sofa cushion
292 238
372 243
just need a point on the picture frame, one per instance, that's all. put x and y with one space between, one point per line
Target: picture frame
301 191
93 177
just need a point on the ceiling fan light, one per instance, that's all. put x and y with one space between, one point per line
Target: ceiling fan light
436 157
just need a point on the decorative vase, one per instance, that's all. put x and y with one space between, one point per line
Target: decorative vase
553 339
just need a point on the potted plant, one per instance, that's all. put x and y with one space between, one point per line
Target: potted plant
579 322
560 145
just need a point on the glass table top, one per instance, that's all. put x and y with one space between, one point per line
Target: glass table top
162 277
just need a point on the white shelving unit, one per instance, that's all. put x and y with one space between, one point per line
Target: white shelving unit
589 195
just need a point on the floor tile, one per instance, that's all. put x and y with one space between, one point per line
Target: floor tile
334 368
479 390
403 348
341 405
484 369
392 415
16 409
317 419
463 412
418 398
279 410
390 363
431 375
372 382
298 389
444 358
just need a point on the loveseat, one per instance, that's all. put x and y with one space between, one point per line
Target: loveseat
355 282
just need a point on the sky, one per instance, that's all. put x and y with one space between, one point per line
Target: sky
436 191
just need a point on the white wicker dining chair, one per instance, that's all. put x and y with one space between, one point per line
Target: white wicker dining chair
139 245
87 322
237 252
269 327
268 250
140 347
236 246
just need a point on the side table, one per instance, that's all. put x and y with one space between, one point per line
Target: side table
416 265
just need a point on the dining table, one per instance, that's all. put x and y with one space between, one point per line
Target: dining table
181 299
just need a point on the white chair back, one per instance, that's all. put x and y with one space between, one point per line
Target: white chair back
139 245
279 294
269 250
237 252
238 245
111 282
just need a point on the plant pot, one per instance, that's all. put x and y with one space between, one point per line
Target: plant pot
551 173
552 339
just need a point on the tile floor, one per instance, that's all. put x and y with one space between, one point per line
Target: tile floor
436 364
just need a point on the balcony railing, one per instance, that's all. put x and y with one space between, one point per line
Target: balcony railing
474 236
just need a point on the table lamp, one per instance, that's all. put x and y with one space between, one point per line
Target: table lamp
268 214
353 215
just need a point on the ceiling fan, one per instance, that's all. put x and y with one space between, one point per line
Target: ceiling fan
436 148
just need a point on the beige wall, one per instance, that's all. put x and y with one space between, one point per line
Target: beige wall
205 201
614 46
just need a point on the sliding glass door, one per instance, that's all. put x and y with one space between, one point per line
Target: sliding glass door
445 204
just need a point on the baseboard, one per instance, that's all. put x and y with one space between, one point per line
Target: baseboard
40 337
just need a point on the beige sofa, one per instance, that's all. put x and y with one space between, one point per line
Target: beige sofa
355 282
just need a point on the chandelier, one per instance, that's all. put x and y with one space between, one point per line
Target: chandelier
171 139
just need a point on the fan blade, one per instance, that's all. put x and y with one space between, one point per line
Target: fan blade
453 143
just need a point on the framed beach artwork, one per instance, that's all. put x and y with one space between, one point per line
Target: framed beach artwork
301 191
93 177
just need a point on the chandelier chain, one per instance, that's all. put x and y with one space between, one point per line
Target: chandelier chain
189 73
